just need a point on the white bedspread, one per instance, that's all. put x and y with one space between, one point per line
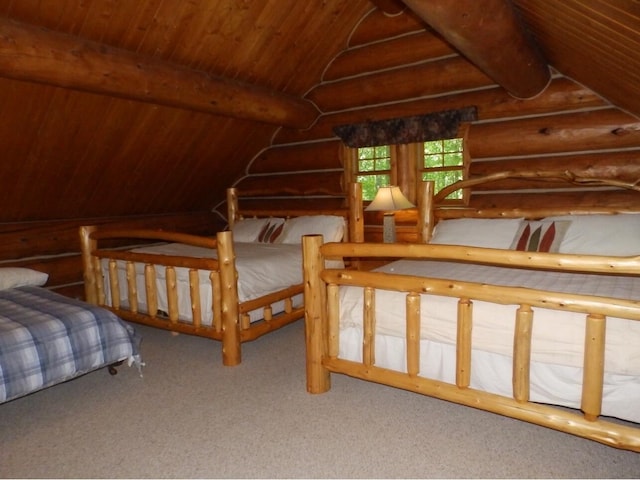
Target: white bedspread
558 337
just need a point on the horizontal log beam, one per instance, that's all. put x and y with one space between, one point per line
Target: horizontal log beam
562 94
384 55
488 33
34 54
553 134
293 184
298 158
441 76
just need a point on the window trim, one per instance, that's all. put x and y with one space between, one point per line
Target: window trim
406 166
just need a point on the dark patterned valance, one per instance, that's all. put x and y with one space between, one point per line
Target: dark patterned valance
420 128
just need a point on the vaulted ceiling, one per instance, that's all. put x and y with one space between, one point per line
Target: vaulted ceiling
181 94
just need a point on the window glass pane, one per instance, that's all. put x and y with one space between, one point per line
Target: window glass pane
374 165
366 165
452 145
383 164
453 159
365 152
433 147
444 178
431 161
372 159
443 163
370 184
381 151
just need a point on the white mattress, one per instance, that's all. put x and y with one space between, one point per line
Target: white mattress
262 269
557 344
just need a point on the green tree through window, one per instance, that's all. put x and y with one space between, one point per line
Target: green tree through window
444 164
373 169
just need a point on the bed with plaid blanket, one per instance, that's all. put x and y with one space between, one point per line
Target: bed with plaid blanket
47 338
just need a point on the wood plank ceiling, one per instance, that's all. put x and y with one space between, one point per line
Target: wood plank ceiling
68 153
81 154
595 42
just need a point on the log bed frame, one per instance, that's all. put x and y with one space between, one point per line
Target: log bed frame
322 315
231 324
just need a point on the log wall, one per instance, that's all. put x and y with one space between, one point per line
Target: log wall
54 246
394 67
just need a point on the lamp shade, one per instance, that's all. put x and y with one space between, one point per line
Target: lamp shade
389 199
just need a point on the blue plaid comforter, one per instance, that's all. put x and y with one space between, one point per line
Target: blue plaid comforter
46 338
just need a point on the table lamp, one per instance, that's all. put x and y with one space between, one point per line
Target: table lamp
388 200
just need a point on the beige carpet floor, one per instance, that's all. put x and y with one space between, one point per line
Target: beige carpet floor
189 417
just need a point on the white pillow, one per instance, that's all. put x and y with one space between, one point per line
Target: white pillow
331 227
247 229
601 234
12 277
477 232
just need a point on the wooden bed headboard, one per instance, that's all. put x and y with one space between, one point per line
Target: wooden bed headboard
352 212
431 207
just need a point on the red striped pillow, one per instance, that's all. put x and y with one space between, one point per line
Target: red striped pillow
271 231
539 236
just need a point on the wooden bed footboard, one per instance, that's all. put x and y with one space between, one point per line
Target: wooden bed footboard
229 323
322 298
175 304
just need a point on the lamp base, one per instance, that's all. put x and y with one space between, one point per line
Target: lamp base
388 228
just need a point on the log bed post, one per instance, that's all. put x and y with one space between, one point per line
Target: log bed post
87 245
232 207
593 371
231 354
356 219
315 318
426 215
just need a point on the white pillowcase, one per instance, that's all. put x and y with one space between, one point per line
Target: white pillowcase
12 277
477 232
331 227
601 234
247 229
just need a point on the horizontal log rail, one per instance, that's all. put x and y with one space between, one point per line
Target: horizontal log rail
248 306
161 235
511 258
503 295
157 259
288 213
259 329
608 433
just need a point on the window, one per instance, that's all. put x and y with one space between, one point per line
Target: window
373 169
407 150
443 163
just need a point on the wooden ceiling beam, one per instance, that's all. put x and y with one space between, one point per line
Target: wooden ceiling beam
36 54
491 36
